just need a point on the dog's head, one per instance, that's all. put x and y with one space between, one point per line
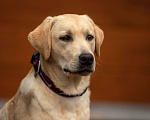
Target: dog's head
70 40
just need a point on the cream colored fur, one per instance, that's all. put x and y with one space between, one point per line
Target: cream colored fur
34 100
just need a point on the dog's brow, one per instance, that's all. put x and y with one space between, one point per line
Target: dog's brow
66 32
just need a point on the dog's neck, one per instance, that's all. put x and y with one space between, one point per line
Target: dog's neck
72 84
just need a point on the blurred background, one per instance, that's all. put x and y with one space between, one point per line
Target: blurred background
123 72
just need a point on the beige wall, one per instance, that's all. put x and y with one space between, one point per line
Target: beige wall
123 72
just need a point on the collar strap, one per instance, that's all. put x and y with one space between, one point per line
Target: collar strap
48 82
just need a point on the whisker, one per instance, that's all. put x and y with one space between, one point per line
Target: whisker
100 66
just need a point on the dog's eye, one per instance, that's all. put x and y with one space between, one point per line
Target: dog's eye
89 37
65 38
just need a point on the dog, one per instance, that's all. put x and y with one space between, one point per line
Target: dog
56 87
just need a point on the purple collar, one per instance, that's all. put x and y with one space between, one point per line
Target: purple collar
48 82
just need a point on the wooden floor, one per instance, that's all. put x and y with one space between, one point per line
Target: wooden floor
123 71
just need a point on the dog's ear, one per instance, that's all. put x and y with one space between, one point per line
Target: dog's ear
98 40
99 36
40 38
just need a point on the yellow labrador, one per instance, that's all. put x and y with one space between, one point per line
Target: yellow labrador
56 88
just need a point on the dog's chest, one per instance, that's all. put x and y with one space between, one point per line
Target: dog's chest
61 114
62 109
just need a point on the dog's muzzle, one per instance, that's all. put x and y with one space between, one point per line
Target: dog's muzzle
86 61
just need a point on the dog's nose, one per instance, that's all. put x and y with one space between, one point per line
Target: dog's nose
86 59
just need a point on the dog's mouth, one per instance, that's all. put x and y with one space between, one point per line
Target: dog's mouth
83 72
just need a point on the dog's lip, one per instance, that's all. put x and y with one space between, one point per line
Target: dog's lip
83 72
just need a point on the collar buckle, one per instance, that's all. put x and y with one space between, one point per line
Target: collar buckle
35 60
38 70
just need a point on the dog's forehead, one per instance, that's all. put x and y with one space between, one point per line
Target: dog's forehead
72 21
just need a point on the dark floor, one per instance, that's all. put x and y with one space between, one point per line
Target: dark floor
111 111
